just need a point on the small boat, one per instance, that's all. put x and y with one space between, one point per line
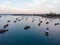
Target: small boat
6 25
14 21
8 21
16 18
27 27
2 31
33 20
41 21
47 32
56 24
47 22
39 24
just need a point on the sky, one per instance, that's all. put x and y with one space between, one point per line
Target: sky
29 6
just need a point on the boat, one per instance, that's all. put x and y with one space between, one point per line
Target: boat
27 27
6 25
47 31
2 31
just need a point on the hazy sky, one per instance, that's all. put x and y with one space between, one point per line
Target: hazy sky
29 6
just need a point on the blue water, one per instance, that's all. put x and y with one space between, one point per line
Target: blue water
17 35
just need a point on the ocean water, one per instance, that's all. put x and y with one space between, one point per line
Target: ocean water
36 35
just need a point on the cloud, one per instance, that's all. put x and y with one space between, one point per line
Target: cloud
7 2
35 6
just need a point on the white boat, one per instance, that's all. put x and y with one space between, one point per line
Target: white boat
46 30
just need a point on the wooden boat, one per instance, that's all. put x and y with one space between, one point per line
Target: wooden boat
2 31
26 27
6 25
47 32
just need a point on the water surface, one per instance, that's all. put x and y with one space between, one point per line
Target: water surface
17 35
